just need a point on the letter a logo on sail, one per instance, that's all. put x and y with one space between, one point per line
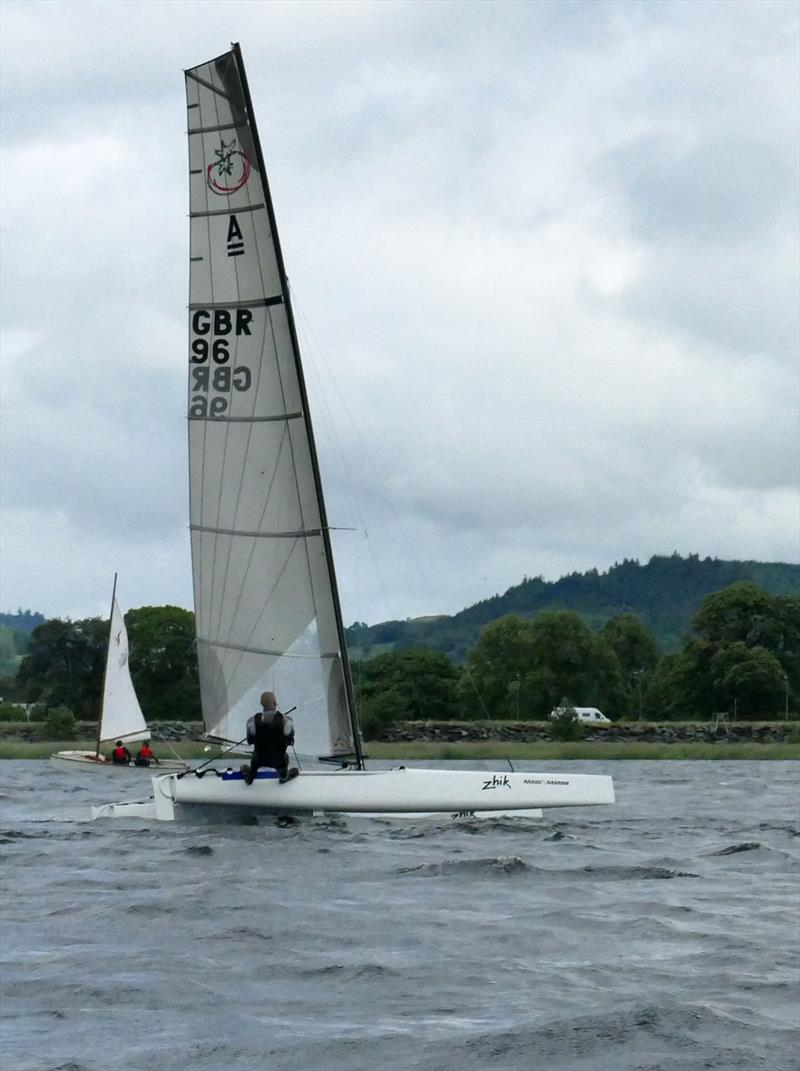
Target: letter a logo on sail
235 238
230 171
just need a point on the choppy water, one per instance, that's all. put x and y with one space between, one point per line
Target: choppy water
659 934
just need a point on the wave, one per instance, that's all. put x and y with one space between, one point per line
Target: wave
636 873
8 836
198 849
613 1038
154 909
734 849
240 933
501 864
348 972
515 865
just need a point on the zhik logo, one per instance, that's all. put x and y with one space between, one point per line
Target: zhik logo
496 782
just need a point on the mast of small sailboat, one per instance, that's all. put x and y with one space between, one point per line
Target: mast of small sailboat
346 673
105 668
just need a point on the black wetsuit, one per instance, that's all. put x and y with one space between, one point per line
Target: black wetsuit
272 734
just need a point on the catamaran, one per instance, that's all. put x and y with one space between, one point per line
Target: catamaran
121 717
268 616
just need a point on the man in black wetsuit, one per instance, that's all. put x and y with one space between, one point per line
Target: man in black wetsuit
271 733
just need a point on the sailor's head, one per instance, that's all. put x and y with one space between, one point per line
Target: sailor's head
119 743
268 701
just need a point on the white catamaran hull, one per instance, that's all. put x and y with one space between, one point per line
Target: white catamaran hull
380 792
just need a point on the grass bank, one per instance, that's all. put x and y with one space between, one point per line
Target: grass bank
579 750
472 749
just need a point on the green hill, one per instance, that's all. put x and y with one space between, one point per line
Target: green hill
664 594
22 620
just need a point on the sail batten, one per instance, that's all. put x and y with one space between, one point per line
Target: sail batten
224 211
256 304
251 419
265 595
324 655
244 533
214 128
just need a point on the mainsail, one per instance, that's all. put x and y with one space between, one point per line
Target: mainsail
266 606
122 716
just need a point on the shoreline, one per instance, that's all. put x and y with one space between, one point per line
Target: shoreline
469 749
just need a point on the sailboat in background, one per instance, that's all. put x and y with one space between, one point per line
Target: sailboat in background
267 609
121 716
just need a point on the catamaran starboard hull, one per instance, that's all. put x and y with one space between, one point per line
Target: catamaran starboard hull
379 792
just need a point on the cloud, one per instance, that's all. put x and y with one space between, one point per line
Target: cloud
543 256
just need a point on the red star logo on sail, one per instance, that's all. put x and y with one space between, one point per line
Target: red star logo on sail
230 171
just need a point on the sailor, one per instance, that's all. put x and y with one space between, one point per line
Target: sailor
145 755
270 733
120 756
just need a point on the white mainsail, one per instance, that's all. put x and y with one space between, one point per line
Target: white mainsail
121 716
267 614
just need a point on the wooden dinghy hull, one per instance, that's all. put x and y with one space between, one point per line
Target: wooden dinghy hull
87 760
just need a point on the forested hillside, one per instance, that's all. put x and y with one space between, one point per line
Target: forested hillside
739 656
664 594
22 620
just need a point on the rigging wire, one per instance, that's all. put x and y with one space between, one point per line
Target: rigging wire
313 347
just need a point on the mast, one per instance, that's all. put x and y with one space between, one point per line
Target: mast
105 668
346 674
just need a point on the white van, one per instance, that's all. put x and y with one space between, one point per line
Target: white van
588 715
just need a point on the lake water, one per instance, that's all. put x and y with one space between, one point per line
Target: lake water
658 934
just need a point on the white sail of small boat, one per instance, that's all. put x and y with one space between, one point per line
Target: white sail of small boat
121 716
266 601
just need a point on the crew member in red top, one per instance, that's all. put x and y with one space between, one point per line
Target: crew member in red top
120 756
145 755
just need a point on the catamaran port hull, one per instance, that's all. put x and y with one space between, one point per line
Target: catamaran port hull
380 792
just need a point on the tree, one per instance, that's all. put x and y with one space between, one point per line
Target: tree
418 684
497 681
748 679
565 725
8 652
59 724
570 660
743 649
665 697
164 662
637 654
519 668
64 664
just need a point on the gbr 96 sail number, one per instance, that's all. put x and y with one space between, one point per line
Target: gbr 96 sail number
212 374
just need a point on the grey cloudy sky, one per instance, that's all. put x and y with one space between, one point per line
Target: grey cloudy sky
544 259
